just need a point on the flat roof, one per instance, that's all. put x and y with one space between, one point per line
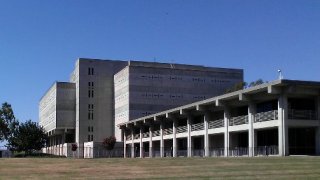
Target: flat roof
139 63
250 90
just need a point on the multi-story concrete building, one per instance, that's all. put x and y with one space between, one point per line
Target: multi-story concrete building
144 88
276 118
94 98
105 90
57 112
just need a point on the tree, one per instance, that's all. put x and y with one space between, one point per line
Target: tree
236 87
256 83
243 85
8 121
27 137
109 142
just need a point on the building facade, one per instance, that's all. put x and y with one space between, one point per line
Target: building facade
103 91
144 88
57 113
94 115
277 118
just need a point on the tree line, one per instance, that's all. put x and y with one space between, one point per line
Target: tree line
243 85
25 136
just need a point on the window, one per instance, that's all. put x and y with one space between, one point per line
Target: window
90 94
88 138
91 128
90 115
90 85
90 71
91 137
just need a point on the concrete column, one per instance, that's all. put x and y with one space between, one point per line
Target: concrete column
251 113
150 141
124 143
189 142
64 137
132 143
206 136
226 132
282 125
161 140
141 143
174 139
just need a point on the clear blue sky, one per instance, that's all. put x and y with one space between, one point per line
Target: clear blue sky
41 40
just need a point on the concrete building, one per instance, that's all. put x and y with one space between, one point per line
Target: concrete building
57 113
144 88
105 90
276 118
94 98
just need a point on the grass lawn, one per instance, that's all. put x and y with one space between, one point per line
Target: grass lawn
166 168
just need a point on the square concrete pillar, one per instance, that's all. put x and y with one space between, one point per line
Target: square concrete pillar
124 143
226 132
206 135
150 141
251 113
189 142
174 139
132 143
141 143
283 125
161 140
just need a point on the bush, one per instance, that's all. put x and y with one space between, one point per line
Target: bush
74 147
109 142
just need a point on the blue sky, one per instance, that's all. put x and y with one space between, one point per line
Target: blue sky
41 40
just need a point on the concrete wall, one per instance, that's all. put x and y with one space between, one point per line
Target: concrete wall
57 107
66 98
47 109
144 88
102 101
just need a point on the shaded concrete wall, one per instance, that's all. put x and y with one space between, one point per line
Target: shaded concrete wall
102 100
144 88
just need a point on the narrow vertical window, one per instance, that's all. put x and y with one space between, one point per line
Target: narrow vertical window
90 71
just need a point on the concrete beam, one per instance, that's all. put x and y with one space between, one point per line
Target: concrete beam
148 121
157 118
243 97
219 102
274 90
202 108
170 116
184 112
301 90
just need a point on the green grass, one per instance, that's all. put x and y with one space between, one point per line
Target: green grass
166 168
